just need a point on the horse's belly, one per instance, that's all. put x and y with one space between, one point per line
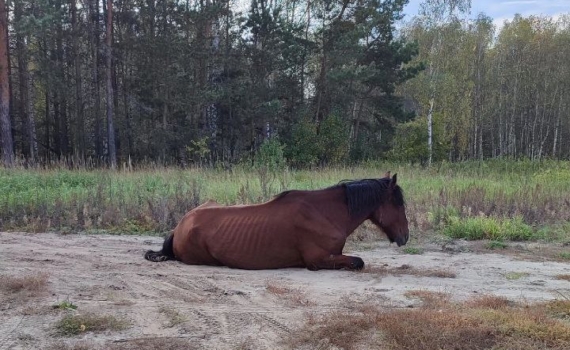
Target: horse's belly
256 251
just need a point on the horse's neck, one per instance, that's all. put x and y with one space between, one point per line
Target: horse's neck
332 204
354 222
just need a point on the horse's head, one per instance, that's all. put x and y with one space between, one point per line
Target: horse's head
391 215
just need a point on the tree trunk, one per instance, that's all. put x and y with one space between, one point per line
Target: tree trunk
26 90
79 107
94 11
5 123
110 105
432 76
63 135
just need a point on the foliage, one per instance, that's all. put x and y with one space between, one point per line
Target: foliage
413 250
333 140
202 83
303 150
565 255
496 245
270 157
71 325
489 228
153 200
491 84
65 305
269 164
410 141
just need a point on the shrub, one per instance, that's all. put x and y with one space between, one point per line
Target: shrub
475 228
76 324
269 163
303 150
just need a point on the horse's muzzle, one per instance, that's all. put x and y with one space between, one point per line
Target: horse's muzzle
402 240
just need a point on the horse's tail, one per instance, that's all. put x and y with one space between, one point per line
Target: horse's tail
167 253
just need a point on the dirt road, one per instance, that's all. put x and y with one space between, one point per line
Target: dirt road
221 308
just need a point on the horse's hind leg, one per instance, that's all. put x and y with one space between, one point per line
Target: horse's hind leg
335 262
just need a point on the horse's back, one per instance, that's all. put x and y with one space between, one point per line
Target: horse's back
248 237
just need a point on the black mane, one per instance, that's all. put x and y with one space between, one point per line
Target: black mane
366 195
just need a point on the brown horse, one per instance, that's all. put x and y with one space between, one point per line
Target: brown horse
294 229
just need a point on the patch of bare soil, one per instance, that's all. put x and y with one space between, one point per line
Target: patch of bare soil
170 305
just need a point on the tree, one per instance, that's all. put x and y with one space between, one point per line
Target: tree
435 12
5 123
112 151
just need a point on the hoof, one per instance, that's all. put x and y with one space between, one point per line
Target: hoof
357 264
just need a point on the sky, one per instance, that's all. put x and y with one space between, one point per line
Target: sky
501 10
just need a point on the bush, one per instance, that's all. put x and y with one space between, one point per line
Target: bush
333 140
269 163
303 150
475 228
410 143
328 146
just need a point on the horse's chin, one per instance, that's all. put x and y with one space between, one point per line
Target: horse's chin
399 242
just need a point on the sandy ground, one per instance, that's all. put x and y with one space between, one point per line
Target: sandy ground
221 308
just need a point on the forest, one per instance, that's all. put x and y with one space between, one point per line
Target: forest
310 83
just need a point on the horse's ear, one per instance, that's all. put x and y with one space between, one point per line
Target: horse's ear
393 181
387 175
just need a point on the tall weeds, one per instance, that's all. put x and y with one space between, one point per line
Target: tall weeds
154 199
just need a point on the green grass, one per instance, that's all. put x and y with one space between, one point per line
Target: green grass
565 255
496 245
65 305
497 229
413 250
76 324
498 200
513 276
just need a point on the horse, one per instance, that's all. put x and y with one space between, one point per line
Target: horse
296 228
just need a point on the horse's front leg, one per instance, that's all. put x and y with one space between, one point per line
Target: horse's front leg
335 262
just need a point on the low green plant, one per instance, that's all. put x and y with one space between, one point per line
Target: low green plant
76 324
476 228
413 250
496 245
513 276
564 255
65 305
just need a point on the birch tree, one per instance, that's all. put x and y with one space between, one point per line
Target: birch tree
435 13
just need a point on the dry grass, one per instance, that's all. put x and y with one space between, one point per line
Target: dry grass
565 277
409 270
489 302
277 289
486 322
429 299
174 317
294 296
163 343
336 330
32 284
559 308
71 346
75 324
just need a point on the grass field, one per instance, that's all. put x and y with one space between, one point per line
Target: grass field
498 200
